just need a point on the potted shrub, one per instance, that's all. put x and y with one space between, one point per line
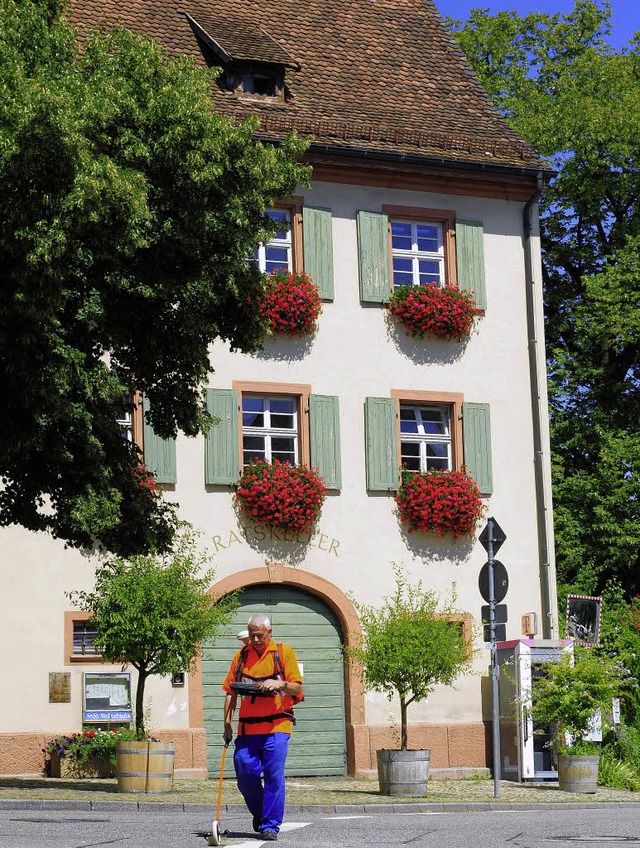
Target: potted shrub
153 611
410 643
441 502
444 312
569 696
280 495
290 304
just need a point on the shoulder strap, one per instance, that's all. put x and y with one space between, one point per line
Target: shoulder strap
278 668
241 661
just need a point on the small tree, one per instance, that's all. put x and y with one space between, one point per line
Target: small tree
409 644
153 610
570 693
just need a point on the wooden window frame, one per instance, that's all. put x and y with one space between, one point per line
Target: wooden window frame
453 400
445 217
69 657
294 208
298 391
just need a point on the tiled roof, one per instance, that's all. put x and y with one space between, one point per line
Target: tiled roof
374 74
246 41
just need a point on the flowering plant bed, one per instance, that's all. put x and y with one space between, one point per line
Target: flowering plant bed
284 496
442 502
445 312
91 753
290 304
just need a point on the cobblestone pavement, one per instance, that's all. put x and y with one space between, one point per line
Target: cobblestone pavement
326 792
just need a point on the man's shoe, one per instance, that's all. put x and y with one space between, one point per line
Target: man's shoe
269 835
257 820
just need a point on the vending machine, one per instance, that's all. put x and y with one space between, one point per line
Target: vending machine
526 752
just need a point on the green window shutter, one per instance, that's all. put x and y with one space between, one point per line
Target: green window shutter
317 239
324 428
373 257
381 441
159 454
221 445
476 423
470 259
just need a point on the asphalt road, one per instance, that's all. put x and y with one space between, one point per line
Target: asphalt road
129 828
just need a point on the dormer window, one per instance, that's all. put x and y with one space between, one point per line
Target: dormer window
257 84
253 64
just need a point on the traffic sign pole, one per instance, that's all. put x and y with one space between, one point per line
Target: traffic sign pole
492 538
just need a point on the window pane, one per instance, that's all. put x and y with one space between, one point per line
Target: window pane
435 422
283 422
401 235
252 412
410 456
429 271
280 216
427 238
282 405
437 451
408 423
402 272
437 464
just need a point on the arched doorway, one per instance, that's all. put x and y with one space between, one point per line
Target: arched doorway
307 623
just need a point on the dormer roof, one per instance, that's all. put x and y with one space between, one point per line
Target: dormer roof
383 77
234 39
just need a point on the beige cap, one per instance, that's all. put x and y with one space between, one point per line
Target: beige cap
243 634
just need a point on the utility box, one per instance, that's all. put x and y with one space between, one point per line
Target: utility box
525 748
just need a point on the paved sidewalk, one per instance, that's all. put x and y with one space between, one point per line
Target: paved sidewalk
321 794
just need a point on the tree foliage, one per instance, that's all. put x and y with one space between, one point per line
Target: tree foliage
569 693
409 645
577 101
153 610
127 212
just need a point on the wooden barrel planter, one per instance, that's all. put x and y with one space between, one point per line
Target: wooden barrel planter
403 772
578 772
145 767
70 768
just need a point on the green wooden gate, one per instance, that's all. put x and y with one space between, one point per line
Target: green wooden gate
318 743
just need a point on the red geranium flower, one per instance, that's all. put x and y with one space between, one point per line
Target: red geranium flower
284 496
290 304
442 502
445 312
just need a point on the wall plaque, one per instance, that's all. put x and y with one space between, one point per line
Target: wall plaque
59 687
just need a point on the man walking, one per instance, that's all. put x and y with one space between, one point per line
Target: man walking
264 723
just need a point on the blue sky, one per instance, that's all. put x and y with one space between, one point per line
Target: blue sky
625 18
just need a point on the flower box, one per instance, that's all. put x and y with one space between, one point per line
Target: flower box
444 312
280 495
441 502
290 304
69 767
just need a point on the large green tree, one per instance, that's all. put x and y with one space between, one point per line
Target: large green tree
128 208
559 83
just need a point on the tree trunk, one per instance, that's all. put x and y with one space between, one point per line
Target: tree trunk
403 724
142 679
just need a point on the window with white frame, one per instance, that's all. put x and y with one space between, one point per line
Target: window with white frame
425 438
269 429
277 255
417 251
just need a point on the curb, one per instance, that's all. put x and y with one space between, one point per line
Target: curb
345 809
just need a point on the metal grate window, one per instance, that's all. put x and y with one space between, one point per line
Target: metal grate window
84 635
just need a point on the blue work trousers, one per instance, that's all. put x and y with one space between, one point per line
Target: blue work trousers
259 762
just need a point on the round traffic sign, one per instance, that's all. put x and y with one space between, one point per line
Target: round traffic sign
500 581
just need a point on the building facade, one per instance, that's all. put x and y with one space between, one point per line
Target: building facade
416 179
